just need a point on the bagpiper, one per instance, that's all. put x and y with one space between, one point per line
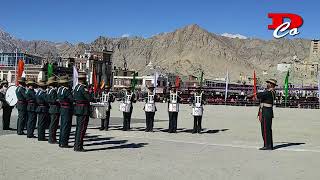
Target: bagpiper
150 109
173 109
7 109
31 108
265 113
54 112
65 99
82 111
108 98
197 101
42 110
126 107
21 106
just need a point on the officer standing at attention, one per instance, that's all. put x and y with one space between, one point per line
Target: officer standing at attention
197 101
42 110
266 113
128 99
21 106
108 98
7 109
65 99
81 110
31 108
150 109
173 109
53 109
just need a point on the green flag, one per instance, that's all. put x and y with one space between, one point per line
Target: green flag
286 88
134 81
50 70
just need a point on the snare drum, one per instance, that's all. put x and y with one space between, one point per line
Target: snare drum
125 107
197 111
150 107
98 111
173 107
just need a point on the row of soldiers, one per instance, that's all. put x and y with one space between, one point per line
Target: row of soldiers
51 101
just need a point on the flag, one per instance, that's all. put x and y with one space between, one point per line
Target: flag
319 86
177 82
50 70
20 70
102 84
201 79
95 83
75 77
134 81
156 76
254 85
286 88
227 84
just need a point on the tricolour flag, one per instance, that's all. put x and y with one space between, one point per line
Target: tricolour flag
227 85
286 88
75 77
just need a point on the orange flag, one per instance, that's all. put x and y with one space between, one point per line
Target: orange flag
20 70
254 85
177 82
95 83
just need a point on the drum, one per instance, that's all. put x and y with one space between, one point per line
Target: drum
98 111
150 107
197 111
11 96
124 107
173 107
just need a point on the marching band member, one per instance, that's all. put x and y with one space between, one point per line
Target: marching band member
108 98
53 109
126 107
31 108
173 109
65 99
150 109
21 105
197 101
42 110
7 109
81 110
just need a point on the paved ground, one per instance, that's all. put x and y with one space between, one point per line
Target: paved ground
226 150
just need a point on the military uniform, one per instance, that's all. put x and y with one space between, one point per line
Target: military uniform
173 110
150 110
21 106
81 110
7 109
266 115
42 111
53 111
105 122
197 124
127 115
65 99
31 109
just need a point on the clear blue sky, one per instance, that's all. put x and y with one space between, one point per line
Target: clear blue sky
84 20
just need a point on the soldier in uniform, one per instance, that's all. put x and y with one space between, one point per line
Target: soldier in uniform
31 108
42 110
128 98
81 110
266 113
173 109
109 100
7 109
21 106
150 109
197 101
53 109
65 99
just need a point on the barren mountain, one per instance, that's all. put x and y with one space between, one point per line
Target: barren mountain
185 51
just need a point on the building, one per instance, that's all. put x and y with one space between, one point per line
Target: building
11 58
315 50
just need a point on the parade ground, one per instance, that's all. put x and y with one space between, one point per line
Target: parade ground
227 148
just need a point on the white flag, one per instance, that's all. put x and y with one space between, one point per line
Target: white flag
227 84
75 77
23 74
